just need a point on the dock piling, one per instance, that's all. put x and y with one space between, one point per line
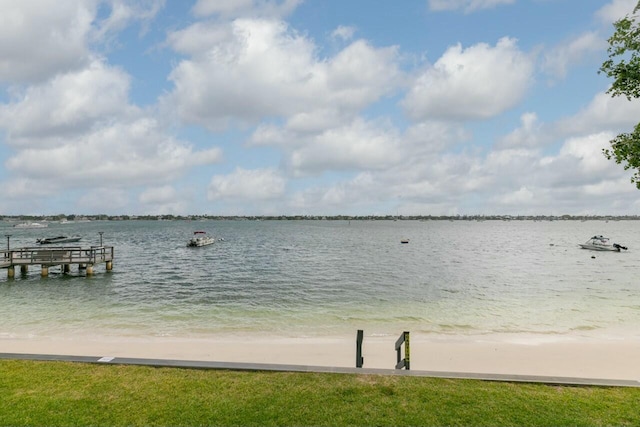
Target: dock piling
359 358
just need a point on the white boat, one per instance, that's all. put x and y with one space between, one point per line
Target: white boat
31 225
59 239
600 243
200 238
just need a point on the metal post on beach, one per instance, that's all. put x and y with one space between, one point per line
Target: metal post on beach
359 358
403 362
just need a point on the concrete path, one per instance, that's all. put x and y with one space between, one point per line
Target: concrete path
194 364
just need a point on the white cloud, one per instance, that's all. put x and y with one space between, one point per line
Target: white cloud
162 200
39 38
341 198
558 60
587 153
615 186
615 10
343 32
529 134
158 195
466 5
255 69
122 154
431 138
104 200
236 8
475 83
123 13
533 182
375 150
603 113
327 114
316 121
521 197
16 188
68 103
358 146
361 74
578 164
207 39
79 130
511 180
247 185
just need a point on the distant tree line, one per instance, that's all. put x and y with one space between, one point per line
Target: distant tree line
103 217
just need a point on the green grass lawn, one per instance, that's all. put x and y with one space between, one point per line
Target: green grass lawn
68 394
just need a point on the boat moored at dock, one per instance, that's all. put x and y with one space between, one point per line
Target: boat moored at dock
57 240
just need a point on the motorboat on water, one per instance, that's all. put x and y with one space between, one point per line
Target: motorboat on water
600 243
59 239
200 238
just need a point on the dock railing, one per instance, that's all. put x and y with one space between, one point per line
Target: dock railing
56 255
5 260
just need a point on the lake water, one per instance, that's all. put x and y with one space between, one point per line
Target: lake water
328 278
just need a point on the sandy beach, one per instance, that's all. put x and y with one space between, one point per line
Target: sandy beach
519 355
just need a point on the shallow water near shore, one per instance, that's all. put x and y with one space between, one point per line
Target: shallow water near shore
329 278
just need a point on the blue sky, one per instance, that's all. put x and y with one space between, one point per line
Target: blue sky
319 107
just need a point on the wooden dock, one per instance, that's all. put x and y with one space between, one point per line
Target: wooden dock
65 256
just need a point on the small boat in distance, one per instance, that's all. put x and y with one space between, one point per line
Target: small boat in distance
31 225
59 239
600 243
200 238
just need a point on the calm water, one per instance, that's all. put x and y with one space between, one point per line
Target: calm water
321 278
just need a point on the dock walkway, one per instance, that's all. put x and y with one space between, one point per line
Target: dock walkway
51 256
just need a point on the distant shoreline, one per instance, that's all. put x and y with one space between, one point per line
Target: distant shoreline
101 217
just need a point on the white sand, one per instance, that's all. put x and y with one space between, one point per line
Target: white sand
521 355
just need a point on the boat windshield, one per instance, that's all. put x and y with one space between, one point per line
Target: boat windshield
599 240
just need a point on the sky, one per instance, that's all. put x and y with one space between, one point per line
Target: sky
310 107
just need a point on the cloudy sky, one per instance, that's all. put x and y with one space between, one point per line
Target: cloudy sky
355 107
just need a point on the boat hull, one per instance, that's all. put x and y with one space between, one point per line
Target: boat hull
56 240
199 244
601 248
